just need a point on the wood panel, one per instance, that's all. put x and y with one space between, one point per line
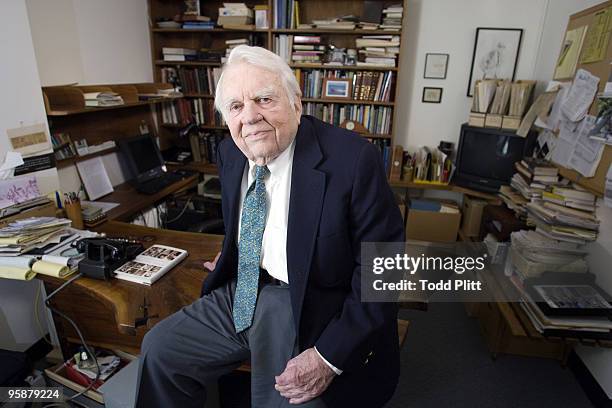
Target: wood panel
602 70
107 311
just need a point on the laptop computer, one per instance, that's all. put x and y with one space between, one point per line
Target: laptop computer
145 162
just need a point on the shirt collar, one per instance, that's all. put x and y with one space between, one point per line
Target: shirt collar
279 165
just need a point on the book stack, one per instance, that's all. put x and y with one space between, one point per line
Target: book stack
376 119
62 146
305 48
196 22
533 177
514 200
235 15
179 54
92 215
201 81
231 44
378 50
101 99
392 18
341 23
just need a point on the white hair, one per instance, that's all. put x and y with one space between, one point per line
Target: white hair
262 58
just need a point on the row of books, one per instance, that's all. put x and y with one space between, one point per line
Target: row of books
375 119
286 14
384 146
231 44
62 146
201 81
204 146
366 85
204 113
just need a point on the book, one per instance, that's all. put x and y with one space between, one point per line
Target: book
151 264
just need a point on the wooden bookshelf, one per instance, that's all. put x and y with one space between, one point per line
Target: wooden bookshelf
309 10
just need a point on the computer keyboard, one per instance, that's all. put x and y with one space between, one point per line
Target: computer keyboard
155 185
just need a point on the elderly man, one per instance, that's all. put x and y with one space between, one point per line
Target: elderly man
299 197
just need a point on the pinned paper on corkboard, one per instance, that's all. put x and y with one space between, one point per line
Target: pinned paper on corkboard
30 140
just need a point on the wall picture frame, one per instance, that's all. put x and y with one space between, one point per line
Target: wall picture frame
432 95
337 88
496 52
435 66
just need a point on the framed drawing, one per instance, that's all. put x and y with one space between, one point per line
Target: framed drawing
435 66
496 52
335 88
432 95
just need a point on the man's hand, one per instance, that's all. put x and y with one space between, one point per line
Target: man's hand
305 377
211 265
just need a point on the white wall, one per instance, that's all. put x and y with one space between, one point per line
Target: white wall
91 42
448 26
21 103
114 41
56 45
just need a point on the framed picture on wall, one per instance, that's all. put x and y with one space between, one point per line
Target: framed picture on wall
432 95
435 66
496 52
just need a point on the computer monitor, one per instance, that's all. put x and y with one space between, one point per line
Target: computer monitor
143 157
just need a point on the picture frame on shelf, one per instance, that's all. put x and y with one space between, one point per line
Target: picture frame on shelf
337 88
495 56
432 95
435 66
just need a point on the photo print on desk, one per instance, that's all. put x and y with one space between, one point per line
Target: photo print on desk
496 52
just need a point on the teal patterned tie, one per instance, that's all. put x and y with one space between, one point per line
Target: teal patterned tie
252 226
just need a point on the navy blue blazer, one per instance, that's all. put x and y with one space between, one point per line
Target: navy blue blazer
339 198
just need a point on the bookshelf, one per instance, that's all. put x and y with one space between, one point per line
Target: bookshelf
332 110
70 120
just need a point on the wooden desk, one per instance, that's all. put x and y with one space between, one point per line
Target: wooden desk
107 311
491 198
131 201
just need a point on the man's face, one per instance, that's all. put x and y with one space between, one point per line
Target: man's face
261 119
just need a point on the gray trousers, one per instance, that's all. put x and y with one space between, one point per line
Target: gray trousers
199 343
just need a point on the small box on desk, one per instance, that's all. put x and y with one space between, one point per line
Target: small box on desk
433 220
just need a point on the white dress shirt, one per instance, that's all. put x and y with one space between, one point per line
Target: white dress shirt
278 190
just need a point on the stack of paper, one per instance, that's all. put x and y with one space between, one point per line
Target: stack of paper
21 236
532 254
556 222
96 99
392 17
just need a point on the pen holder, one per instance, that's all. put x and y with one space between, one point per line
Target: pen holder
73 211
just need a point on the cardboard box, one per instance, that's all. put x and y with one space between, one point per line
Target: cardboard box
472 216
476 119
433 226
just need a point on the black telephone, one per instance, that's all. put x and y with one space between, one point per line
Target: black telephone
104 255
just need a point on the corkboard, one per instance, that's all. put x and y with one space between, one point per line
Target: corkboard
601 69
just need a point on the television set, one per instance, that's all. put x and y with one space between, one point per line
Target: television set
485 157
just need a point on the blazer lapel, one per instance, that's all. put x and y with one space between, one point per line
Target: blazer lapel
233 170
305 205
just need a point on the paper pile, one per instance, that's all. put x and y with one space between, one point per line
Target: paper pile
99 99
21 236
